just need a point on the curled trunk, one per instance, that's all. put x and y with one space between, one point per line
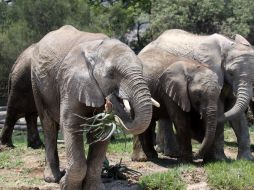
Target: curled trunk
210 124
244 94
140 100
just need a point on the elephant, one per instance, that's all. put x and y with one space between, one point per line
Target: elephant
188 93
233 62
21 102
73 72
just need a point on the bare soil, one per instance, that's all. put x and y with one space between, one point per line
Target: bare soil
195 179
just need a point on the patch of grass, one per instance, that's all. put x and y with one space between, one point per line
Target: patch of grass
121 144
231 175
160 181
12 158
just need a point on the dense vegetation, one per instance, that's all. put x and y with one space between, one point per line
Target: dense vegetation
23 22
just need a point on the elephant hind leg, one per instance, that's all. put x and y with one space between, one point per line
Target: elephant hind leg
50 128
51 172
33 137
6 133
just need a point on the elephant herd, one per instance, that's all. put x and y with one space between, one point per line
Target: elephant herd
199 82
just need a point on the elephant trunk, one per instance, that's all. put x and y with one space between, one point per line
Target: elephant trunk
244 94
210 129
137 92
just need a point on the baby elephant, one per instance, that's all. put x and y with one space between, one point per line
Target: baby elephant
188 93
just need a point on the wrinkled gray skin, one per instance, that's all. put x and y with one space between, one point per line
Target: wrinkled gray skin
21 102
233 61
72 73
185 90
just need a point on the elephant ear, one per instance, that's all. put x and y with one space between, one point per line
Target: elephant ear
174 83
240 39
212 51
79 80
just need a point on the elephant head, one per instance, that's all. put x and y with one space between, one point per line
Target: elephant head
233 60
195 87
108 68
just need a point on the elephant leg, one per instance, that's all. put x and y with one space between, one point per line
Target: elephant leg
33 137
166 138
95 158
74 146
241 129
143 146
160 136
184 138
50 128
76 161
6 133
51 172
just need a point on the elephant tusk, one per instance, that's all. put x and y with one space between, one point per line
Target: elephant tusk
155 103
127 105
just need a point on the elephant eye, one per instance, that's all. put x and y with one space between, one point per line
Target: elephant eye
110 74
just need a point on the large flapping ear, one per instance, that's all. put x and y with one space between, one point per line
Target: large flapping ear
174 83
79 79
240 39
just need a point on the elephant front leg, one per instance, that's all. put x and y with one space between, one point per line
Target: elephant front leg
76 161
166 139
33 137
241 129
96 156
143 145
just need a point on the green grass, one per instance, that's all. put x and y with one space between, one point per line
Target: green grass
122 144
161 181
12 158
170 180
234 175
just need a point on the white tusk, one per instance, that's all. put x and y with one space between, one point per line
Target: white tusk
155 103
127 105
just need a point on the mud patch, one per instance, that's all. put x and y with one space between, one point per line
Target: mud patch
196 179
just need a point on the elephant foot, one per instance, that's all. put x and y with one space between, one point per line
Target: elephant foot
159 148
93 184
171 153
69 186
219 156
141 156
51 177
245 156
35 144
185 158
7 143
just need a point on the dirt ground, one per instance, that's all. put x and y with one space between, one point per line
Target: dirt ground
195 180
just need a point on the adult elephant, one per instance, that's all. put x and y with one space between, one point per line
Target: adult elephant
21 102
72 74
186 91
233 61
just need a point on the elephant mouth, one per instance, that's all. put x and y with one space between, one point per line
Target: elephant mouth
126 106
